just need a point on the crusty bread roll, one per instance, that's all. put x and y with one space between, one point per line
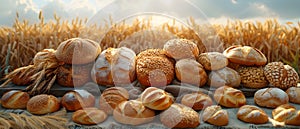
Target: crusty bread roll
133 112
197 101
270 97
156 99
111 97
229 97
89 116
294 94
73 75
155 71
180 116
212 60
181 48
245 55
77 51
215 115
253 77
287 113
225 76
77 99
43 104
190 71
115 66
280 75
252 114
42 56
15 99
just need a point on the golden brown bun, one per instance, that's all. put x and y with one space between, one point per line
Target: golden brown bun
73 75
197 101
225 76
89 116
212 60
253 77
77 99
115 66
286 113
190 71
43 104
280 75
245 55
156 99
294 94
229 97
151 52
270 97
181 48
23 78
155 71
180 116
111 97
77 51
42 56
15 99
133 112
252 114
215 115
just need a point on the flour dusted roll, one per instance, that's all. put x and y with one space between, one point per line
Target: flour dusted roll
15 99
225 76
229 97
181 48
294 94
89 116
111 97
270 97
43 104
212 60
156 99
252 114
287 113
197 101
77 99
215 115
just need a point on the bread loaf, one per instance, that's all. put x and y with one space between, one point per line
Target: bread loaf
215 115
294 94
212 60
15 99
252 114
111 97
229 97
196 101
180 116
156 99
89 116
287 113
181 48
270 97
133 112
77 99
43 104
225 76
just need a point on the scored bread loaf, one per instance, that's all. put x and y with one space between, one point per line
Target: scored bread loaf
77 99
15 99
215 115
156 99
229 97
287 113
89 116
270 97
196 101
43 104
111 97
252 114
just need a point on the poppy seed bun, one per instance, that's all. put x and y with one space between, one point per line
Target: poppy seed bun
181 48
77 51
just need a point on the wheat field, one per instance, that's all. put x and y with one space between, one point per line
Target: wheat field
19 43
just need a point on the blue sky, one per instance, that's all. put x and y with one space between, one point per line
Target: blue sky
214 11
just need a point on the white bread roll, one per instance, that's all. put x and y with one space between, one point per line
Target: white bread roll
270 97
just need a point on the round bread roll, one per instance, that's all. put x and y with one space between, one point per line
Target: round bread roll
253 77
252 114
190 71
245 55
115 66
180 116
43 104
280 75
73 75
111 97
287 113
225 76
212 60
89 116
23 78
77 99
156 99
215 115
42 56
15 99
197 101
229 97
181 48
133 112
294 94
77 51
270 97
155 71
